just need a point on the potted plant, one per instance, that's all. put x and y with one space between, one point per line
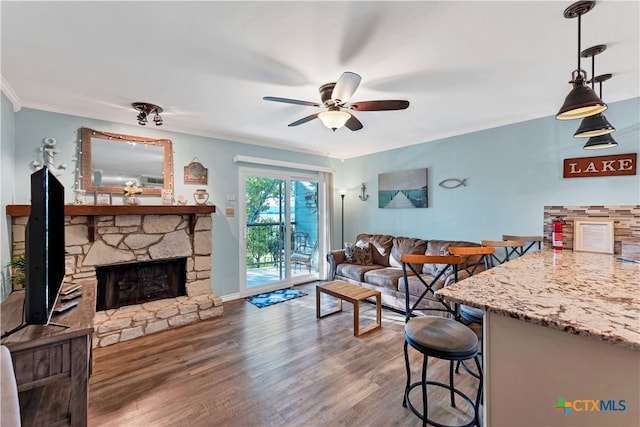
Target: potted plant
18 264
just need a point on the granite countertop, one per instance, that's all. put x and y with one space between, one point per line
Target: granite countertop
581 293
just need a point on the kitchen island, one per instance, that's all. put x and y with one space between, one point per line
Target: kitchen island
561 339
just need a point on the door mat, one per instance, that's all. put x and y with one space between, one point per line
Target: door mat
275 297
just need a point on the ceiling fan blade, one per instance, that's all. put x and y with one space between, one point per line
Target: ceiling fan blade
353 123
291 101
345 87
304 120
390 104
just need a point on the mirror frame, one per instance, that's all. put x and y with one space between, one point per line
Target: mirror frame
87 173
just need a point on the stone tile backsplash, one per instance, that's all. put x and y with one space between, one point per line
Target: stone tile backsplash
626 221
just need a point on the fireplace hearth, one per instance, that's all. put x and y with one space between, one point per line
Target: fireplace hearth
140 282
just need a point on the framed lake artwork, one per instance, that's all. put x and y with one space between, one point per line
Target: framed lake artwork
403 189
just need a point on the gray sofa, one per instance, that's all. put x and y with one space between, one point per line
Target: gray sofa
384 271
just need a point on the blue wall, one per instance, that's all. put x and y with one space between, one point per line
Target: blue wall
511 172
32 126
7 133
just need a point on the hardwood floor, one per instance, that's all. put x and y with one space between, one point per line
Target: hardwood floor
274 366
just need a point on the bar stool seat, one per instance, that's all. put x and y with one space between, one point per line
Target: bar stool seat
441 337
472 314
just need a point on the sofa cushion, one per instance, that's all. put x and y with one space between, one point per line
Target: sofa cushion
355 271
381 247
406 245
384 277
358 253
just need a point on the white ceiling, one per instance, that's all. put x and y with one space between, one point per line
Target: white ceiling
464 66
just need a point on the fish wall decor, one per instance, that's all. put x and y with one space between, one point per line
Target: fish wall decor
453 183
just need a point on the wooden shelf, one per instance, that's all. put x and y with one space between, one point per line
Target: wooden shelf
91 211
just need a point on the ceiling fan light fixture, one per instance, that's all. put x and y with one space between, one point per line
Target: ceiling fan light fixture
599 142
334 119
594 126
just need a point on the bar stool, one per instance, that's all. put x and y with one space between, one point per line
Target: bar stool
436 336
512 249
472 315
530 242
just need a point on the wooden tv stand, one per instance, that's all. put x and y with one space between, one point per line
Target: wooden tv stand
52 363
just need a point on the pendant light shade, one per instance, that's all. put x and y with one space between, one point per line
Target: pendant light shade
334 119
594 126
581 102
597 124
598 142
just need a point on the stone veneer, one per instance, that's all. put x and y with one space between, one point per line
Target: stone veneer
130 238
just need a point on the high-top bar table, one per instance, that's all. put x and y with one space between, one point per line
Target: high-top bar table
561 339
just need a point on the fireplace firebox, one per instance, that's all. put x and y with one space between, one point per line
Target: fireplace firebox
136 283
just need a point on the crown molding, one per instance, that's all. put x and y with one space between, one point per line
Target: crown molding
11 94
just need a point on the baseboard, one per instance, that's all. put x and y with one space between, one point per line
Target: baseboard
231 297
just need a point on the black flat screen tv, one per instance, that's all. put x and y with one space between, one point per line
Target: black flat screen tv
44 251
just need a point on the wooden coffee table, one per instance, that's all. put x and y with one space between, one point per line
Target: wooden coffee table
353 294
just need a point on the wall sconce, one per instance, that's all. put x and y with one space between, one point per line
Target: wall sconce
145 110
363 189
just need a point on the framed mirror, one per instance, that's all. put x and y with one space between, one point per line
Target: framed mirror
109 160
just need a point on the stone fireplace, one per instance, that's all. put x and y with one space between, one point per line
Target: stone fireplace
106 238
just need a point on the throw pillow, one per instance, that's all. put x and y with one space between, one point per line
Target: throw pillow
437 268
358 253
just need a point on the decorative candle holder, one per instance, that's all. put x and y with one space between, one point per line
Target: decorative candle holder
201 196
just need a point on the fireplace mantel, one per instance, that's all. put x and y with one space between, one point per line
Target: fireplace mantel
91 211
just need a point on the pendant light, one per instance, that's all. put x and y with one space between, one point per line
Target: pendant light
602 141
597 124
582 101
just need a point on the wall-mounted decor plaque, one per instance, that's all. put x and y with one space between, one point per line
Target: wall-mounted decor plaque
195 173
619 164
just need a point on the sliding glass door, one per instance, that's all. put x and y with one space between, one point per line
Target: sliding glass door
280 228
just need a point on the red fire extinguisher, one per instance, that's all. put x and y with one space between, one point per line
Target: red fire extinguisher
556 235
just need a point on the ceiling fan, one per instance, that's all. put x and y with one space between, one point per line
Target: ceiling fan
335 98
